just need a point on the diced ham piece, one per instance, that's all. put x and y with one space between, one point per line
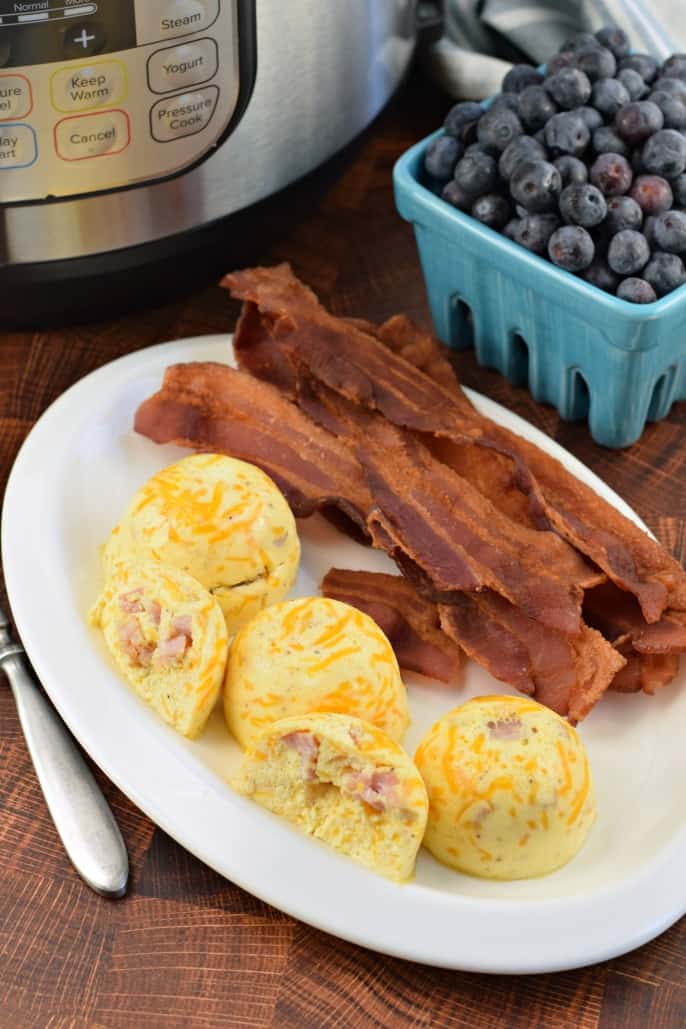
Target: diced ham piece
133 643
131 601
308 748
182 624
378 789
505 729
155 612
171 650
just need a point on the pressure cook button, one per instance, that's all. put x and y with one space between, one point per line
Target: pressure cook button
83 87
165 19
84 38
16 100
177 67
184 115
92 135
18 146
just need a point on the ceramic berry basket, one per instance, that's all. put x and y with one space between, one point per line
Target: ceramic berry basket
586 352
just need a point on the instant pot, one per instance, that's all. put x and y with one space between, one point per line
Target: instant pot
133 132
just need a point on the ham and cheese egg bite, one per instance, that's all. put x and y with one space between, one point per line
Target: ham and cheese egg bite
510 791
221 520
310 655
168 637
342 781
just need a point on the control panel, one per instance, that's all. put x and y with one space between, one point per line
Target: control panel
112 93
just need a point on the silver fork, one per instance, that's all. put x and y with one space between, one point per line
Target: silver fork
76 803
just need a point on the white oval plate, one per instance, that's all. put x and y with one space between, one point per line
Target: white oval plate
69 485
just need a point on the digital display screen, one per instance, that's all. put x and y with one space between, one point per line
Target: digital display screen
41 31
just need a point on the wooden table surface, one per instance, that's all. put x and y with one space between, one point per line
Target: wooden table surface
186 947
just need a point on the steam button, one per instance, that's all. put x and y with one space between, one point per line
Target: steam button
184 115
165 19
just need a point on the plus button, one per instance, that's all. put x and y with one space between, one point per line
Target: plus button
84 39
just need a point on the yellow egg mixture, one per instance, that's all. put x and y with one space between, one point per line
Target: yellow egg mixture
311 655
510 790
344 782
221 520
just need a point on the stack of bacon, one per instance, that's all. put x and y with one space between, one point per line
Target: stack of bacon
504 554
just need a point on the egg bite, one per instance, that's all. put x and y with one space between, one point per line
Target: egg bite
309 655
342 781
510 790
221 520
168 637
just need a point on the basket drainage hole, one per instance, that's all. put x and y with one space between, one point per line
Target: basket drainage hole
518 371
579 396
463 323
660 401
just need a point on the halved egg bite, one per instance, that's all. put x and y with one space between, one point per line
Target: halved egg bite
310 655
510 790
342 781
168 637
221 520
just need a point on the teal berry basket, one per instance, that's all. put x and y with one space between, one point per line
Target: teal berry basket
586 352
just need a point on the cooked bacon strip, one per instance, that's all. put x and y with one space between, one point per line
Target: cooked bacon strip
210 406
617 615
360 367
567 674
410 622
644 672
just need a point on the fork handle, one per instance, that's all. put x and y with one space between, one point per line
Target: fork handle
76 803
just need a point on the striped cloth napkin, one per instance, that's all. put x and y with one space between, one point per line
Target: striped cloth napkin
483 37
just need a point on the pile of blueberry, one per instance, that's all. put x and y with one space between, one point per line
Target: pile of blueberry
584 164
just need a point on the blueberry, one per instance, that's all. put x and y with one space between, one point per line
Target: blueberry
593 118
523 148
623 213
670 232
512 227
633 83
441 157
649 230
652 194
520 76
492 209
582 204
597 62
638 120
665 272
673 111
645 64
565 59
615 40
628 252
569 88
536 185
571 169
636 291
580 40
461 116
612 174
675 66
606 141
534 231
601 275
571 248
535 107
498 128
476 173
568 133
679 190
456 196
666 84
608 96
501 100
665 154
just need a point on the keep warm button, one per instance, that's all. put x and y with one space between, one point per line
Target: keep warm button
183 115
92 135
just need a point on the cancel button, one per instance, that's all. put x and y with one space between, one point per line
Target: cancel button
92 135
184 115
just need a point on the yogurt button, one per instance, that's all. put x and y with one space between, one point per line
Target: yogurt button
18 147
184 115
177 67
16 100
92 135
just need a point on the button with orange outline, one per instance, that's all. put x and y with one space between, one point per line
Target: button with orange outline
16 97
